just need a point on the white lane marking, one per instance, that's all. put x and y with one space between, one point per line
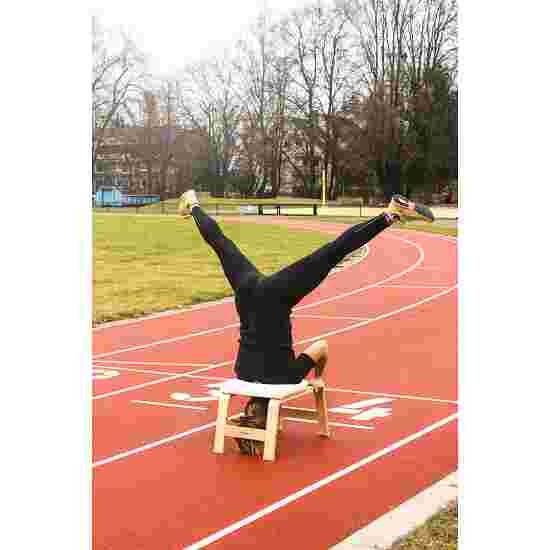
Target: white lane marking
310 488
138 386
142 371
331 299
167 340
415 286
340 424
157 363
329 317
376 412
397 396
353 408
179 396
103 374
169 313
169 405
155 444
223 378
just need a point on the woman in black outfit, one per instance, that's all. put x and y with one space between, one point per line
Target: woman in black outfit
264 302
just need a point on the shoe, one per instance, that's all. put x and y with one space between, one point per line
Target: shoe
186 203
406 210
250 447
255 416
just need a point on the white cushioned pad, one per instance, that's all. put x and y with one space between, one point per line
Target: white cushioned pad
255 389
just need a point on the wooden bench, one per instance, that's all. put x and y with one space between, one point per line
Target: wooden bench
263 207
277 395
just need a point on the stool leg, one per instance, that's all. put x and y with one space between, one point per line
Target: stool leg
223 410
271 429
322 412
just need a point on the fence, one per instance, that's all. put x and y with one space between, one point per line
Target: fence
284 209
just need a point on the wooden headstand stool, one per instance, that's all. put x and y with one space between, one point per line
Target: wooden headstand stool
277 395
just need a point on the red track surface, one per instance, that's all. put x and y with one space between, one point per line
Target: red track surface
391 324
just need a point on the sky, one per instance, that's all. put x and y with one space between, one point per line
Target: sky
174 34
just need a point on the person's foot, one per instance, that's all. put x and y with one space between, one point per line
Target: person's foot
405 210
186 203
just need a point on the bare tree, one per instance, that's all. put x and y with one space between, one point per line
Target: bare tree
301 33
264 76
399 43
117 77
210 101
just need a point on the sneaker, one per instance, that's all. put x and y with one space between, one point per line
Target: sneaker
250 447
187 201
406 210
255 416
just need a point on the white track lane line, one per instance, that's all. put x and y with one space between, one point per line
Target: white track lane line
311 488
159 404
415 286
307 306
396 395
329 317
140 371
167 340
340 424
157 363
138 386
154 444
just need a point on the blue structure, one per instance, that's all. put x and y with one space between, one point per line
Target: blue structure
111 196
139 200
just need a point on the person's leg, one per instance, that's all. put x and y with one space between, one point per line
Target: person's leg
318 352
236 266
297 280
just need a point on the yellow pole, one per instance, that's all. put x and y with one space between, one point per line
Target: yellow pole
323 183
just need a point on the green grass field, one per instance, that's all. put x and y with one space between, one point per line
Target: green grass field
147 264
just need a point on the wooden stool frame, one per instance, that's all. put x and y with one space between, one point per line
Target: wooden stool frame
275 416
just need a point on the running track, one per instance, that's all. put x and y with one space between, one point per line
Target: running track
391 323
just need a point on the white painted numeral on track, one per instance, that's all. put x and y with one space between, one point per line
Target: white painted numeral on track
103 374
352 407
369 413
213 396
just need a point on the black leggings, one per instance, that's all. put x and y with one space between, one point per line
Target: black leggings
292 283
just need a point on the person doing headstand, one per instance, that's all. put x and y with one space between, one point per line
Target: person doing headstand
264 302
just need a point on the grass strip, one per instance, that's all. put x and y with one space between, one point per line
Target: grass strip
440 532
148 264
